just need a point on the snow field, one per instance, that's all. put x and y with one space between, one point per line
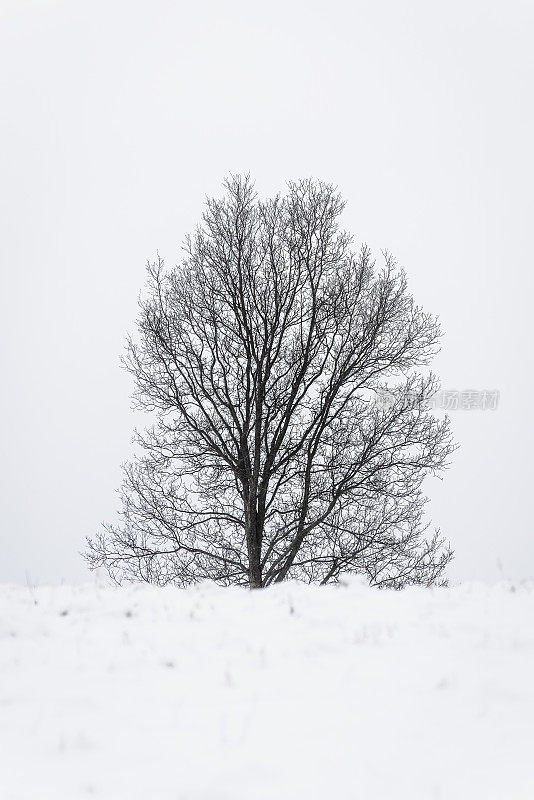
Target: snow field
139 693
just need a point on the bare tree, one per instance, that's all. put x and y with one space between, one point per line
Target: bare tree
263 358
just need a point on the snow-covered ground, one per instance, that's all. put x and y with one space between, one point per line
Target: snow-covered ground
293 692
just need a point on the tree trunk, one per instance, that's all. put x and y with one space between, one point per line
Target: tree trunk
254 549
255 579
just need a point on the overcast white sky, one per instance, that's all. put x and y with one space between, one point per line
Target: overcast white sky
118 117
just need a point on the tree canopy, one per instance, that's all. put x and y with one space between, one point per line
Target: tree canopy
263 359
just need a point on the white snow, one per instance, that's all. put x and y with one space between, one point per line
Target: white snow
292 692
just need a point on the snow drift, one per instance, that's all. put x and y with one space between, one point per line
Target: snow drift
291 692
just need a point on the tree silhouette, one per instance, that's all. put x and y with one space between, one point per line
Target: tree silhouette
263 358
